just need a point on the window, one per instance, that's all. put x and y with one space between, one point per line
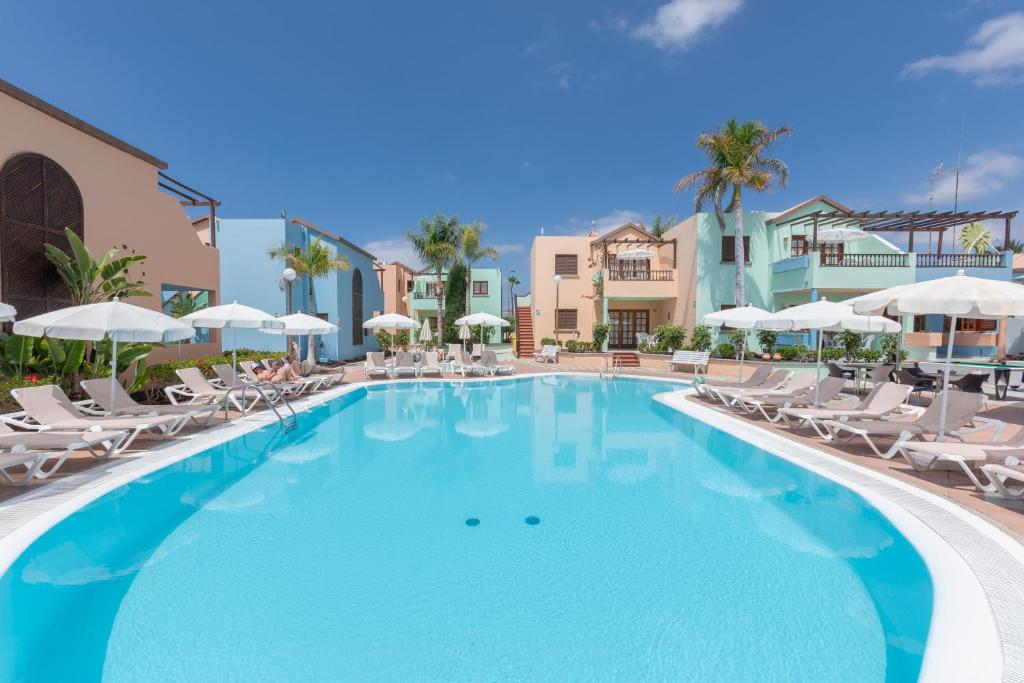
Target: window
920 323
38 199
799 246
729 249
567 264
408 286
971 325
479 287
357 308
434 290
566 318
726 307
177 301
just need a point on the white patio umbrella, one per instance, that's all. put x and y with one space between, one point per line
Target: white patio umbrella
7 313
840 234
742 318
232 316
115 319
464 334
956 296
301 325
391 321
482 319
635 254
425 334
824 315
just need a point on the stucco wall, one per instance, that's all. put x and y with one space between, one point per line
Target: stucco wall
123 207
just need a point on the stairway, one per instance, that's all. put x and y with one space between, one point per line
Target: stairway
524 332
627 359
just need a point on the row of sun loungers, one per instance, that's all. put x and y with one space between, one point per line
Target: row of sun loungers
405 365
50 427
883 415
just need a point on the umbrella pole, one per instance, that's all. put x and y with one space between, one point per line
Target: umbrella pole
817 370
113 379
234 356
945 380
743 353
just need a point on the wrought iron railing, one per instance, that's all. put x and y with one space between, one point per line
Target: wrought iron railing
959 260
864 260
426 295
641 275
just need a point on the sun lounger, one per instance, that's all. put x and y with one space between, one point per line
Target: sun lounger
961 409
431 364
478 351
464 364
774 381
99 392
197 390
930 455
48 408
883 400
493 366
33 449
1001 475
453 352
374 365
795 385
828 389
280 389
405 365
758 377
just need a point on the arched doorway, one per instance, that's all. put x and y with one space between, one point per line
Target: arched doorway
357 308
38 199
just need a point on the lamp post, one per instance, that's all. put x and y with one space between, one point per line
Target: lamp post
288 276
558 282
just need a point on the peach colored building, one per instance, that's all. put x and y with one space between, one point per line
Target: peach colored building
58 171
396 279
597 280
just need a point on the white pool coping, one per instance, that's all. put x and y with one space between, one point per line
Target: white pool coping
977 630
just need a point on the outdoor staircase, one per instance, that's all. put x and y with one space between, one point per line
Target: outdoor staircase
626 359
524 332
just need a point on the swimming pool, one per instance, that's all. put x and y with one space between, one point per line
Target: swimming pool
542 528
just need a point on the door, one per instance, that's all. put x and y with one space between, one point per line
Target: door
625 325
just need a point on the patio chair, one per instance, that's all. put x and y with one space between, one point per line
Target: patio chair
828 389
491 364
1000 476
835 371
48 408
196 389
884 399
760 374
883 373
431 364
99 391
796 385
374 365
405 364
918 383
33 449
727 394
970 383
961 409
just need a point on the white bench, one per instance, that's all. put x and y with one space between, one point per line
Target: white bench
548 354
698 359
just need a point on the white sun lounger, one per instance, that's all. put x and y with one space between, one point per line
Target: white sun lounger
431 364
758 377
883 400
464 364
99 392
493 366
828 389
33 449
930 455
197 390
1001 475
405 364
375 365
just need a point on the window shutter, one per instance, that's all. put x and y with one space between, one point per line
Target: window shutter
566 264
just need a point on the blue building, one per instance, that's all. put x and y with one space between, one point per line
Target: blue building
345 298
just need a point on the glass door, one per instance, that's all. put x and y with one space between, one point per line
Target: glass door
625 325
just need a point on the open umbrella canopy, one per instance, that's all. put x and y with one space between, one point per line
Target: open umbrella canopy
7 313
840 234
742 318
391 321
958 295
635 254
482 319
302 324
117 320
817 315
233 315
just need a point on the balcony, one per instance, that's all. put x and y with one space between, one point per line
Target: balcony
959 260
886 260
426 295
640 284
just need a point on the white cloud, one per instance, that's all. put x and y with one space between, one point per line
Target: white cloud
984 173
677 24
390 250
506 248
994 54
609 221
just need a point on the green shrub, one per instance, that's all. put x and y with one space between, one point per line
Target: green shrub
548 341
767 339
890 345
700 340
570 346
738 338
600 333
792 353
831 353
385 340
850 342
871 355
724 350
668 338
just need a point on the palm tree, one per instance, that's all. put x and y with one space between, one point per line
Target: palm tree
315 261
975 237
659 227
512 282
437 244
1016 246
735 155
91 280
473 252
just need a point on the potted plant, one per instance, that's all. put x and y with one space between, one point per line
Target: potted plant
767 339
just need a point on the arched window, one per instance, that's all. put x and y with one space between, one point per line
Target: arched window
357 308
38 199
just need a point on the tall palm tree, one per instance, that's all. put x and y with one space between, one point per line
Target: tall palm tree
437 244
471 252
735 153
660 226
512 282
975 237
317 260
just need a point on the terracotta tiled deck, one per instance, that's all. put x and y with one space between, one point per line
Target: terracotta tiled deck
949 484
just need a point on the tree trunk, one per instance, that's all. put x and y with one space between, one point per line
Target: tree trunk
469 286
310 339
440 308
740 252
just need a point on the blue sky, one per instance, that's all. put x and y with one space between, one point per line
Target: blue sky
364 117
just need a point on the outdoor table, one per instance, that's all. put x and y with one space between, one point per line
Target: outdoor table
861 369
999 372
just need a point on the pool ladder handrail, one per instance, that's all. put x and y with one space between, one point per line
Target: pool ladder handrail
258 388
616 368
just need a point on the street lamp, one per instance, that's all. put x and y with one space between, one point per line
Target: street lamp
288 276
558 282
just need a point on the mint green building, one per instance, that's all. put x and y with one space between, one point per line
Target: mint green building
484 294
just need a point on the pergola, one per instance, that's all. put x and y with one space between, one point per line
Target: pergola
909 222
603 243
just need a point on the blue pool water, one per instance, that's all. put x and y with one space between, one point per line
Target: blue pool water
615 539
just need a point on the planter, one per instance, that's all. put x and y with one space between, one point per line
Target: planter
777 356
766 356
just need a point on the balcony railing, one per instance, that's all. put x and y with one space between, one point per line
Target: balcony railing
959 260
641 275
426 295
864 260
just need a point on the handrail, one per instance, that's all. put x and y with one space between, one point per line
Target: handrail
959 260
615 370
624 274
258 388
848 260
